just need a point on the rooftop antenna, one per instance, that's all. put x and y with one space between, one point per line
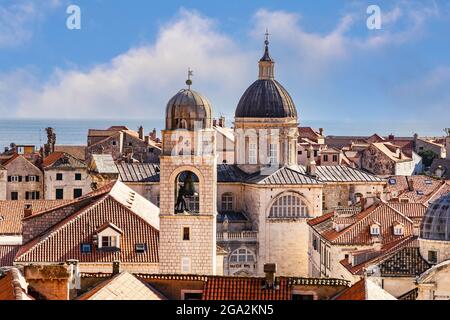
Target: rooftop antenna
189 81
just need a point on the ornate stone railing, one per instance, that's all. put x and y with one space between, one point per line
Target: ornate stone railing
237 236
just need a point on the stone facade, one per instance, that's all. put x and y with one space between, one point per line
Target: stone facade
68 184
3 182
441 248
23 178
197 255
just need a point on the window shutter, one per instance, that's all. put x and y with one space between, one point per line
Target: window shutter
27 178
37 178
9 178
27 195
20 178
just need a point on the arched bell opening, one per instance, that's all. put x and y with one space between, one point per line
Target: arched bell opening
187 193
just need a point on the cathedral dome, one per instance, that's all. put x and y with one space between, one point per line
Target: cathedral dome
436 223
266 98
188 110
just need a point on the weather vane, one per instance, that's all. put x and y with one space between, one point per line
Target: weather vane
189 81
267 34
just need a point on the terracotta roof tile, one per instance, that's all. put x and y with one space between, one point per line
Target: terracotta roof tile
7 255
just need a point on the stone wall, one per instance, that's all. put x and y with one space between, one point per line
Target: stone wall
3 183
68 184
23 168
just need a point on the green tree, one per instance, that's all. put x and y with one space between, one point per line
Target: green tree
427 157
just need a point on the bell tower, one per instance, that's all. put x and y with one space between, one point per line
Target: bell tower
188 186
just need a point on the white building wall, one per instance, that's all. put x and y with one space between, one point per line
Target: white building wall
68 183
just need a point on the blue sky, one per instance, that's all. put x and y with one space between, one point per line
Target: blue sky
130 57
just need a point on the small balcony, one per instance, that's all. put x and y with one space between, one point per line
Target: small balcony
237 236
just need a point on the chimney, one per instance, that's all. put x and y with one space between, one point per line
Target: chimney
362 201
141 132
214 122
27 211
270 269
222 122
116 267
321 131
153 135
391 137
311 164
147 139
410 183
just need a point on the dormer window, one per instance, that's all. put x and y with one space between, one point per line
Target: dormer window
375 229
398 229
109 236
86 248
141 248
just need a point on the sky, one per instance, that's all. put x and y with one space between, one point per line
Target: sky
130 57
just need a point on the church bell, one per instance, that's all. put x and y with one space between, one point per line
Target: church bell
189 186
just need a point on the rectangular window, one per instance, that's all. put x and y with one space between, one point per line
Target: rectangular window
300 152
32 179
59 177
325 158
14 196
14 179
78 176
59 194
315 153
77 193
375 230
432 256
109 242
193 296
186 234
186 265
141 247
398 230
273 153
227 202
86 248
252 153
335 158
32 195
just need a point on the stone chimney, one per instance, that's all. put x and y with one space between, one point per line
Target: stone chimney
391 137
153 135
141 132
222 122
27 210
410 184
270 269
311 168
116 267
321 131
214 122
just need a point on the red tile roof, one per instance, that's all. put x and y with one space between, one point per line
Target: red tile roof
12 213
355 292
358 233
236 288
11 286
63 240
417 188
52 158
7 254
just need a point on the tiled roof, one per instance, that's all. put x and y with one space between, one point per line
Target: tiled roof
12 213
283 176
237 288
405 262
342 174
13 286
358 232
230 173
104 164
61 160
138 172
388 149
232 216
123 286
7 254
418 188
78 152
138 220
365 289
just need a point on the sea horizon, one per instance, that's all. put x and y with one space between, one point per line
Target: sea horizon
74 131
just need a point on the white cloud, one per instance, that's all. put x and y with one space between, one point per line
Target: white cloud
18 20
141 81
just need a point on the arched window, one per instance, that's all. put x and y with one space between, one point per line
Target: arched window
227 203
242 255
289 205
